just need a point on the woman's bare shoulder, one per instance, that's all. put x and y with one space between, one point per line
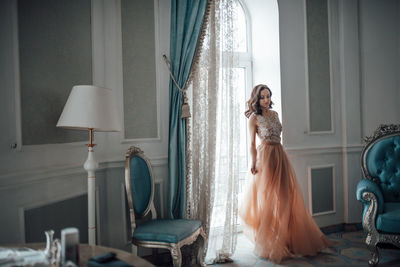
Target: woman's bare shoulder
273 112
253 118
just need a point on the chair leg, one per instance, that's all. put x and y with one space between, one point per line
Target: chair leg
375 256
372 246
176 255
200 252
373 238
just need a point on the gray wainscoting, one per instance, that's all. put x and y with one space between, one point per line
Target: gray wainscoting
56 216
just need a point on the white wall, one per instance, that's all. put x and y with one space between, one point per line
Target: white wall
42 174
364 59
380 63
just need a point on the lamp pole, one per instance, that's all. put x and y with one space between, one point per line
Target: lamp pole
90 166
92 108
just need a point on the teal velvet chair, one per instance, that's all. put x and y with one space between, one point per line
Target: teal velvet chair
379 191
151 232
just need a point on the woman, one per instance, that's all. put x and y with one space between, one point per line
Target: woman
273 209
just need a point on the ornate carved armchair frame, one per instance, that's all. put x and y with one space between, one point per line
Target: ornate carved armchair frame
173 247
368 191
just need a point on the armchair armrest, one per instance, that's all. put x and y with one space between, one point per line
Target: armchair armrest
366 185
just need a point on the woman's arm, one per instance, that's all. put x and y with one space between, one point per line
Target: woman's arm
253 149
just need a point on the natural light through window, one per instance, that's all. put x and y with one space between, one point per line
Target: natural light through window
241 26
242 76
256 49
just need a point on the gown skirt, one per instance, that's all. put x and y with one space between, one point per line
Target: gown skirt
273 210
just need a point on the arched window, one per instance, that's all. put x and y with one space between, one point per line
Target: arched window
234 52
258 62
219 134
244 73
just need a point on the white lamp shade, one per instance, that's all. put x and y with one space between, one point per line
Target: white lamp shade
90 106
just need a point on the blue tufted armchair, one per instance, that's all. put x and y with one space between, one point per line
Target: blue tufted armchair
380 189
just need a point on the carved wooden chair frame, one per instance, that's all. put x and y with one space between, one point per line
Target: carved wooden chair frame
373 236
174 248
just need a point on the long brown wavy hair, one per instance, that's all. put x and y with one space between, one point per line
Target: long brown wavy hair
254 102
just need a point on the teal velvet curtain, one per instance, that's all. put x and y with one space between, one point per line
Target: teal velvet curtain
186 22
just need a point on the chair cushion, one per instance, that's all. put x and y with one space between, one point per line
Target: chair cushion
168 230
389 220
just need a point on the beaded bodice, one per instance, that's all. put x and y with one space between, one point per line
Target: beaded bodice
269 127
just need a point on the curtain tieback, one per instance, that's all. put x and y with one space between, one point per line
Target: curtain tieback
185 105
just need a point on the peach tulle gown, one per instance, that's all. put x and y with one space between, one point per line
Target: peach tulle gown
273 209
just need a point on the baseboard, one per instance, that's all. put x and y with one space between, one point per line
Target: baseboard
342 227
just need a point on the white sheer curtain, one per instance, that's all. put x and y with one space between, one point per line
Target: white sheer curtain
213 183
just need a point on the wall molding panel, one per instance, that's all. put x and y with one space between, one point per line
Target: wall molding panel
55 53
139 27
25 177
313 192
320 150
43 203
320 111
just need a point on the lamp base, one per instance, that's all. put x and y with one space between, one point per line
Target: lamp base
90 166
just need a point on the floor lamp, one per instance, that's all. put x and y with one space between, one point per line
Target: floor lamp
90 108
